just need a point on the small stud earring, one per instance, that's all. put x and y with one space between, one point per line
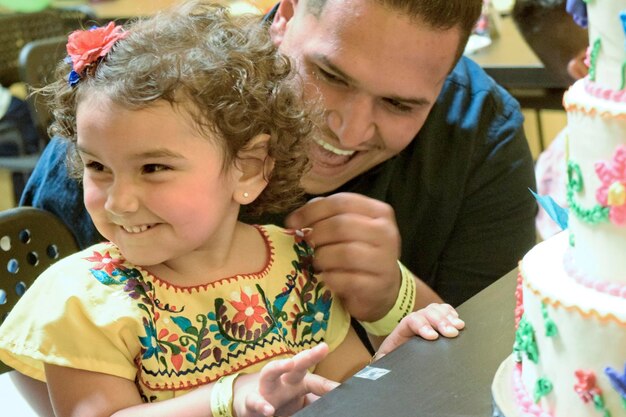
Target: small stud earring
245 195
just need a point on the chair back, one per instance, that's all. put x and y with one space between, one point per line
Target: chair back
37 62
31 240
17 29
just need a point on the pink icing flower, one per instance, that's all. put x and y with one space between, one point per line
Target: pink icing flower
612 192
87 46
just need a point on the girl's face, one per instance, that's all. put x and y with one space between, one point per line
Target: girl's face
152 184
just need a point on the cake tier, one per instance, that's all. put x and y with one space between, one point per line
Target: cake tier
596 152
571 339
606 42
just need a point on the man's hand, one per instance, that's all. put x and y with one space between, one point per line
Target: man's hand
357 245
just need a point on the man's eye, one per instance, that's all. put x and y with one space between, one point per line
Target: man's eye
151 168
329 77
397 106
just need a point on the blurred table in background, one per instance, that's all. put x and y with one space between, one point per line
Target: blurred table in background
124 9
512 63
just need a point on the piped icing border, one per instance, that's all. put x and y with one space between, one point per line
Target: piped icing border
586 314
569 264
577 98
522 398
594 89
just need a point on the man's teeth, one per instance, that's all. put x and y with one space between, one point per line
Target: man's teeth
136 229
331 148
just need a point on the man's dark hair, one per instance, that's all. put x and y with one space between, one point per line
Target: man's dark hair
439 14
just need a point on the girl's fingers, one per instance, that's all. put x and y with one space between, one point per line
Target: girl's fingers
318 385
257 404
303 361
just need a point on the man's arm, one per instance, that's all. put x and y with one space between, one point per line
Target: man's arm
50 188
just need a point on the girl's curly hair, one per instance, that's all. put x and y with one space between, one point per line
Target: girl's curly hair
221 68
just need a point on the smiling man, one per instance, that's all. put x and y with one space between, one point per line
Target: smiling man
424 159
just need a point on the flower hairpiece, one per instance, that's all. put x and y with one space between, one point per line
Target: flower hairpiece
85 48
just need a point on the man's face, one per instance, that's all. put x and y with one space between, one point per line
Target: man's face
378 74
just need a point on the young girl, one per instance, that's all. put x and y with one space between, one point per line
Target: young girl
176 123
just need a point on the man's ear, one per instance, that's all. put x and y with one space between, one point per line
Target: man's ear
284 14
255 167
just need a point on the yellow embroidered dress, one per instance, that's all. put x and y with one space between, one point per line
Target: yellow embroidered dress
95 311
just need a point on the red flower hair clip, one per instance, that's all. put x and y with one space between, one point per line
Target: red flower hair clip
85 48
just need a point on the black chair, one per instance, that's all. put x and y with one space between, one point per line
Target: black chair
36 64
30 240
17 29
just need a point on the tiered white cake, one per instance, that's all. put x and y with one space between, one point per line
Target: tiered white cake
570 347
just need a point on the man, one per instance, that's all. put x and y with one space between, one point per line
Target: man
424 158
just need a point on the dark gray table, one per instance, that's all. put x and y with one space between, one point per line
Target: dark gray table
443 378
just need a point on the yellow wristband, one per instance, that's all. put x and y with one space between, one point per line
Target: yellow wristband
222 396
403 306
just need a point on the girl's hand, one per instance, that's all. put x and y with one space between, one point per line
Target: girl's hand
282 387
428 323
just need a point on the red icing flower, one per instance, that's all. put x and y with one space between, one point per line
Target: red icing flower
248 310
612 192
586 385
87 46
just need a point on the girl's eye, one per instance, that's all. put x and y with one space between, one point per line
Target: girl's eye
94 166
151 168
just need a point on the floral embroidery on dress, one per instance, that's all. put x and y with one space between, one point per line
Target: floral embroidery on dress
178 342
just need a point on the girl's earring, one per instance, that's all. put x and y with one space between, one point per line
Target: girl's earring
245 195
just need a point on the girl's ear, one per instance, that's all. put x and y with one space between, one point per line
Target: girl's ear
255 167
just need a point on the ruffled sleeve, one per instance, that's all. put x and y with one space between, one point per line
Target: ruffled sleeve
71 318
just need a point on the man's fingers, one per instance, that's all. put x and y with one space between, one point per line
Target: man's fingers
349 227
322 208
355 256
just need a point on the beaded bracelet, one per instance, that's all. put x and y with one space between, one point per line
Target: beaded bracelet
222 396
403 306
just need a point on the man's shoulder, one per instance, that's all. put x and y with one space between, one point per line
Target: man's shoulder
468 81
471 104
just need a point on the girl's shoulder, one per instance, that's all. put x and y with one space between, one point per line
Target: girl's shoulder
277 236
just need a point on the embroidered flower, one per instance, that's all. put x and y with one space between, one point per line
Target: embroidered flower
317 314
248 310
612 192
149 343
86 47
105 262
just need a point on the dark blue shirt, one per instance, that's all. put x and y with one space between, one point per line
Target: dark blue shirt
459 190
